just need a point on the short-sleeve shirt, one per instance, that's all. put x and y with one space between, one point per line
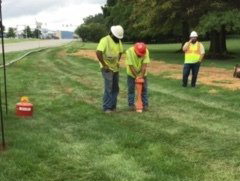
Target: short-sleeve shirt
111 51
202 49
190 55
135 61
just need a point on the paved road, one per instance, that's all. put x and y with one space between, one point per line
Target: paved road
13 47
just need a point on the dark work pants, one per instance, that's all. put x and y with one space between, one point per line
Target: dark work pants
111 89
194 67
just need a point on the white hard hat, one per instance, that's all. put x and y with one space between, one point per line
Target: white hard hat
117 31
193 34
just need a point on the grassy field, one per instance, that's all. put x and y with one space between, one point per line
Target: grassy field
188 134
169 53
14 55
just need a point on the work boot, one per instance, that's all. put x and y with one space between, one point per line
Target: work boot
108 111
114 109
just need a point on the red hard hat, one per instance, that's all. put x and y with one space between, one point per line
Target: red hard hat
140 49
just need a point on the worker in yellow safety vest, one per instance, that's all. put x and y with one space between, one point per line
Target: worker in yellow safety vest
137 60
194 54
109 53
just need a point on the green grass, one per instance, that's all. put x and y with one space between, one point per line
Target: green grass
14 55
188 134
169 53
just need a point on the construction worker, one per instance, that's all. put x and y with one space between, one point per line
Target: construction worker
109 53
194 53
137 59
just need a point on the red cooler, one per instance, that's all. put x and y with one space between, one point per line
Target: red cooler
24 108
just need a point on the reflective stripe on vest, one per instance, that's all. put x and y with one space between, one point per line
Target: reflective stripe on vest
193 53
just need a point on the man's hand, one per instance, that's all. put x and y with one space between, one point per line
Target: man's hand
105 67
187 45
139 77
134 72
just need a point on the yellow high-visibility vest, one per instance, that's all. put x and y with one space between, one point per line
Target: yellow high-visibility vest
111 51
193 53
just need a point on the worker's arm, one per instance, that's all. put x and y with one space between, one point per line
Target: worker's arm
143 71
133 70
100 58
120 56
187 45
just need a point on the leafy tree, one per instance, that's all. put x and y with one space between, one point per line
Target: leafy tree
171 20
91 32
93 28
98 18
107 8
83 32
27 33
36 33
222 17
120 14
11 33
151 20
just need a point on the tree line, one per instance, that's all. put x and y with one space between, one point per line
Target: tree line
27 33
154 21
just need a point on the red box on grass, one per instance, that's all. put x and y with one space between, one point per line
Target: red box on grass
24 108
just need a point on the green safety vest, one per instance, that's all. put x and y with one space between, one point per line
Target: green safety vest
193 53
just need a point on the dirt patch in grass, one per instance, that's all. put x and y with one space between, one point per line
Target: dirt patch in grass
61 54
208 75
213 91
86 54
213 76
68 91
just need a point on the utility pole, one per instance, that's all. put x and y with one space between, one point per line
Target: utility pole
5 80
4 60
2 121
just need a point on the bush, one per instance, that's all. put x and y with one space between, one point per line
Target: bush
91 32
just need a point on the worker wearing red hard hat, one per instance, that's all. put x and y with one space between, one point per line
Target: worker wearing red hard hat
109 53
137 59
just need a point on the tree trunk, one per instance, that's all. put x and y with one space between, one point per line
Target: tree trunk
218 47
185 33
223 40
214 42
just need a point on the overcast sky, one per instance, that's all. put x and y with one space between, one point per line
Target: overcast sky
54 14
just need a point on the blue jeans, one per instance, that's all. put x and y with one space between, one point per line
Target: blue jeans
186 71
131 92
111 89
